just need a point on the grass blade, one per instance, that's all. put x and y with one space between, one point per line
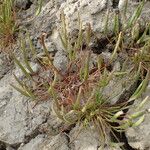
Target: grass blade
22 67
137 123
23 92
25 56
136 14
141 88
142 103
86 68
117 46
39 7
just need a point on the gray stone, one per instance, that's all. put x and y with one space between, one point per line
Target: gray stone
34 144
19 118
58 142
120 87
33 125
90 12
9 148
51 47
35 67
47 19
5 64
42 142
60 61
139 137
21 3
86 138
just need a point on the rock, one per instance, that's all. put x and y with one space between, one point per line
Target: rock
87 139
83 139
9 148
19 118
116 147
132 5
42 142
22 4
5 65
58 142
25 124
51 47
139 137
90 12
93 12
48 20
34 144
34 66
60 61
120 87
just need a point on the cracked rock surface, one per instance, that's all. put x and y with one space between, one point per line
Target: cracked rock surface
27 125
41 142
139 137
18 118
86 139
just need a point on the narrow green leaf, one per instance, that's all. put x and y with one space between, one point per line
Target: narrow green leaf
120 73
80 34
99 62
106 22
22 68
139 121
88 34
142 38
135 31
30 93
19 82
136 14
64 33
24 51
86 67
117 46
52 93
116 23
125 9
138 72
64 43
32 48
57 111
124 126
136 115
48 56
77 103
40 2
23 92
88 101
118 114
141 88
142 103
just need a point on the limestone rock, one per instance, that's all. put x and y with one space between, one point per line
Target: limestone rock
42 142
60 61
87 139
19 117
139 137
5 65
27 125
